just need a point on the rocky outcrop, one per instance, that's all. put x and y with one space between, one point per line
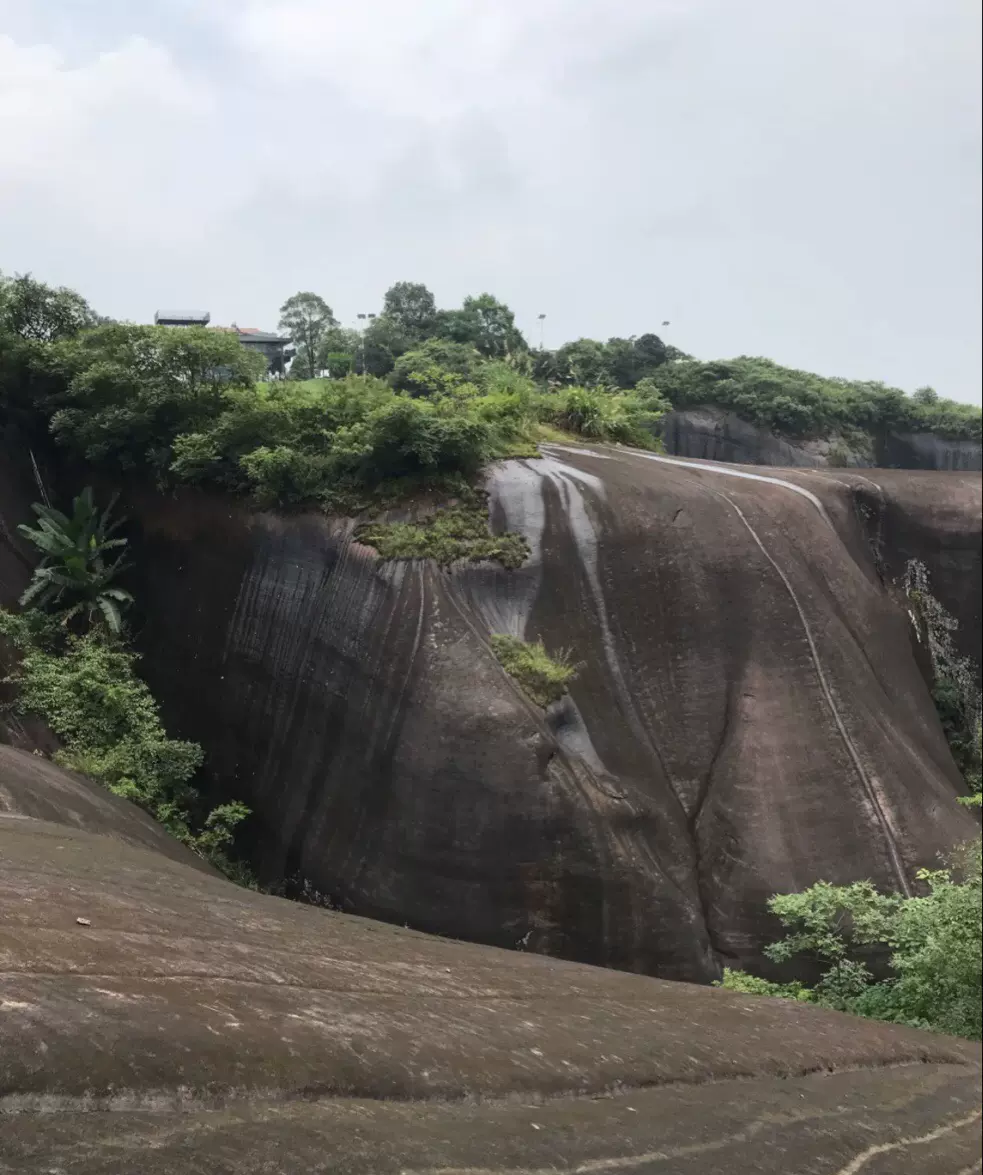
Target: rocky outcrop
750 716
715 434
153 1017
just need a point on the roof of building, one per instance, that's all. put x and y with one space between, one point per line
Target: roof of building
200 316
252 334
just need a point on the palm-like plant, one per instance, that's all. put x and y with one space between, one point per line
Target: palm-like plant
76 570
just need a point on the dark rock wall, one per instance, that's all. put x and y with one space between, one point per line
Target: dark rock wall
749 718
714 434
750 715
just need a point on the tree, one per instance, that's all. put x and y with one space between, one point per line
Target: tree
76 570
583 362
650 352
383 342
411 309
42 313
307 317
925 397
459 360
132 389
484 322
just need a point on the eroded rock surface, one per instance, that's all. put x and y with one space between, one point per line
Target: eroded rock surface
750 716
187 1025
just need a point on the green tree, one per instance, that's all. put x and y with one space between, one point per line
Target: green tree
485 323
382 344
583 362
411 309
42 313
413 370
79 562
133 389
306 317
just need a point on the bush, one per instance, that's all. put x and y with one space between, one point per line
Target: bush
543 678
955 688
800 403
601 415
87 691
459 532
936 952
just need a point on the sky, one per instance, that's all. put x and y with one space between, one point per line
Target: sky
791 178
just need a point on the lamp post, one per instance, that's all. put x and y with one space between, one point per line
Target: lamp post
542 328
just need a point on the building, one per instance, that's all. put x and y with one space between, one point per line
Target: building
275 348
182 318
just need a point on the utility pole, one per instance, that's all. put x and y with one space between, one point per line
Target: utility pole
542 328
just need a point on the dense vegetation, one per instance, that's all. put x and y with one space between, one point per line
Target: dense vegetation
956 681
800 404
934 943
420 394
76 672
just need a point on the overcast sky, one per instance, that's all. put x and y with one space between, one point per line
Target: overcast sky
792 178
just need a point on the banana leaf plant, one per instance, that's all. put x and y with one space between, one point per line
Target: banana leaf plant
80 558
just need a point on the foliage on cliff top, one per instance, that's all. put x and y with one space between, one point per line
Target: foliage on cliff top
463 388
936 952
800 403
544 677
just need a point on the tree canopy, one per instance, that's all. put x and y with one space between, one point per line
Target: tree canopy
307 317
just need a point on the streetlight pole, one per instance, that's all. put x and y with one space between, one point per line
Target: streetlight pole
542 328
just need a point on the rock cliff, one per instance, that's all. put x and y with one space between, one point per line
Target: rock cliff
750 715
155 1018
715 434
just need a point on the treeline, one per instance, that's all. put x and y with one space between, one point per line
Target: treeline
420 392
410 333
192 404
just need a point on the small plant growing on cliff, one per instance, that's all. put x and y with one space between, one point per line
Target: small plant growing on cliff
459 532
79 562
542 677
955 690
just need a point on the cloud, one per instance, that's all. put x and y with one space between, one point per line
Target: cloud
437 59
800 180
100 145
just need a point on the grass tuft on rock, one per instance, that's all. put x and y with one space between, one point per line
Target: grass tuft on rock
457 532
542 678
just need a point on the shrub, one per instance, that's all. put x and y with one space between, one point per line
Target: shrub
800 403
600 415
87 691
955 688
936 952
543 678
459 532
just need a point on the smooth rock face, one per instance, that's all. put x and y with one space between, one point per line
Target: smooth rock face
750 716
187 1025
709 433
